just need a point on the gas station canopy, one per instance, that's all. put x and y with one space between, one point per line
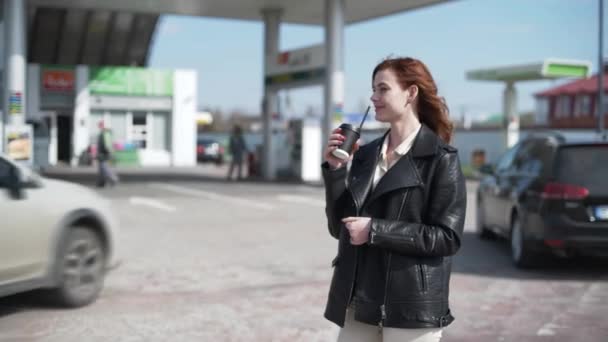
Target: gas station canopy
551 68
119 32
71 36
548 69
311 12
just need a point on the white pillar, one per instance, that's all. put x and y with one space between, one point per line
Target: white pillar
2 75
511 118
53 157
14 35
183 121
82 110
600 74
334 82
272 25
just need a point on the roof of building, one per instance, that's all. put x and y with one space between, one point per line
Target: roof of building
584 86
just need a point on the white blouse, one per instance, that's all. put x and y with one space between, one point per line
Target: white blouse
403 148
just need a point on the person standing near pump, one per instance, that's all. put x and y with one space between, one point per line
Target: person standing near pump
398 213
104 155
238 149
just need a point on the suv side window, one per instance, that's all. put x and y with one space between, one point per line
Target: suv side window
535 158
524 161
506 161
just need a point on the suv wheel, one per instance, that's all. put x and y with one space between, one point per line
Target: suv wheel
81 268
520 253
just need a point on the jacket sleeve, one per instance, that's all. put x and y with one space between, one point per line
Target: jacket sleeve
335 197
441 234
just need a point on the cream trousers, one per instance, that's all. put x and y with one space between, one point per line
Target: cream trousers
355 331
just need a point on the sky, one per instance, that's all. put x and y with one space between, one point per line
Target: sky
451 38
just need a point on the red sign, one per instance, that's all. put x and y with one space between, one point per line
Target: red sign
58 80
283 58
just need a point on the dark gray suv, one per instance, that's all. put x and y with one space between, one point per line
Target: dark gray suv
548 196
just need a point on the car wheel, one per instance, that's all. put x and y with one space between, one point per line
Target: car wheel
521 255
480 228
80 268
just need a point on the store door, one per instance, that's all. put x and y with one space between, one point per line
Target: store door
64 138
139 129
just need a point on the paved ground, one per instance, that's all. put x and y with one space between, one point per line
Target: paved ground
217 261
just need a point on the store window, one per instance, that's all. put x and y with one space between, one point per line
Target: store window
583 105
160 136
118 124
563 106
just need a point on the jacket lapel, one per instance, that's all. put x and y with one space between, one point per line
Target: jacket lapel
404 173
362 171
426 143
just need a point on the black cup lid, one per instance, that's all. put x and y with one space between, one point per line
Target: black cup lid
348 126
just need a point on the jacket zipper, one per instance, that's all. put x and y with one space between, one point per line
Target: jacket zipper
422 277
352 285
387 281
388 272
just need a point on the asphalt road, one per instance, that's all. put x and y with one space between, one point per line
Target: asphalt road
217 261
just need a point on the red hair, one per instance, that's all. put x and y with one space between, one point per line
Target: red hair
432 109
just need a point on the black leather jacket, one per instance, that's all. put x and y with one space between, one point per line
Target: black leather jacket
401 277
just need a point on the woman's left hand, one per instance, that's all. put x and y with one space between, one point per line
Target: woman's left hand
358 228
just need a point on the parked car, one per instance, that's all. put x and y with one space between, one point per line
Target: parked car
548 196
54 235
208 149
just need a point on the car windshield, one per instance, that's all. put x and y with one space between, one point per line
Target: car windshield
206 141
585 165
27 174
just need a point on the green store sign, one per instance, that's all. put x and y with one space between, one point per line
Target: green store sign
130 81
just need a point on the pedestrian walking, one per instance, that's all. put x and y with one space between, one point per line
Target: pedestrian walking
238 150
105 151
398 212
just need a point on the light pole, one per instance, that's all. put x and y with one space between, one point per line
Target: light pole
600 74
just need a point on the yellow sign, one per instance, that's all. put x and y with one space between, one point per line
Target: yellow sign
204 118
19 143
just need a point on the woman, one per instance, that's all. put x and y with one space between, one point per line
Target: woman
398 214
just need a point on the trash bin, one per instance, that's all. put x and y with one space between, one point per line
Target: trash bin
478 158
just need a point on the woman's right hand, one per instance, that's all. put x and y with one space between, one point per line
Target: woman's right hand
335 140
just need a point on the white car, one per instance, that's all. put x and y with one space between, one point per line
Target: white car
54 235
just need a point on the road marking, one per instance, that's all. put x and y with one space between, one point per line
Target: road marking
213 196
547 330
302 200
151 203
